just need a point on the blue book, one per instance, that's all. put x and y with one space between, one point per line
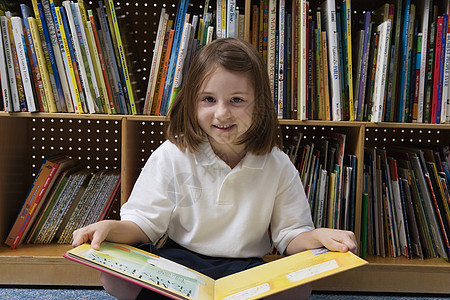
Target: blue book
403 63
179 24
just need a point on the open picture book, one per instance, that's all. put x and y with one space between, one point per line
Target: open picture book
179 282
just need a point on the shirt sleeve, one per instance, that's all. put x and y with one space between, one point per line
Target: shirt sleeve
148 205
291 215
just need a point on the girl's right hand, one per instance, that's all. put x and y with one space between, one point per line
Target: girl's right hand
96 233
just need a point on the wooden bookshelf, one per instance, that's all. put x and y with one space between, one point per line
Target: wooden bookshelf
125 142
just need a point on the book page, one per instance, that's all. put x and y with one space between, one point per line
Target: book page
285 273
146 269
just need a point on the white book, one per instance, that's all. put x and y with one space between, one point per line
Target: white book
84 41
302 64
380 73
426 10
231 18
219 19
6 94
19 39
178 78
9 63
156 58
79 58
330 23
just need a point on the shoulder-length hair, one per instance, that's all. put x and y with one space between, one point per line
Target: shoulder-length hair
235 55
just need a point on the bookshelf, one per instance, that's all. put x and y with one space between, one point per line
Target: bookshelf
124 142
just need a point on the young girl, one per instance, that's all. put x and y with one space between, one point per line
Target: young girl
220 181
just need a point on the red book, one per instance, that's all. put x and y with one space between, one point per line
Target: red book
437 60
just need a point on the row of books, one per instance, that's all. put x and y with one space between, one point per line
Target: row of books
405 208
325 62
64 58
63 198
328 175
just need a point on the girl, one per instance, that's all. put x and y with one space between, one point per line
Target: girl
220 180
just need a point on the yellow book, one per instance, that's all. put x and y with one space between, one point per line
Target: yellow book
73 82
348 24
50 99
179 282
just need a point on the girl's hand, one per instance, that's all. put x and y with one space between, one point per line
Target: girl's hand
332 239
125 232
96 233
336 240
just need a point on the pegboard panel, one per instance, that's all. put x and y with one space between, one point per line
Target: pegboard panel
94 143
151 136
406 137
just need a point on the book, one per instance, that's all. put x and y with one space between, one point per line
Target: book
329 23
51 23
123 62
42 184
4 83
179 282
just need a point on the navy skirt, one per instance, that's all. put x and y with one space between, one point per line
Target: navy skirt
210 266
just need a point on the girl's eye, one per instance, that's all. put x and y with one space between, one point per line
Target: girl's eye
209 99
236 100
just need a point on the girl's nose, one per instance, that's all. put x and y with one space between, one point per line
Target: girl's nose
222 111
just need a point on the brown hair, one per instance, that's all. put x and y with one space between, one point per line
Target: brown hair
235 55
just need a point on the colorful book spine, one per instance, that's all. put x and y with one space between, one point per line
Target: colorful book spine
347 33
33 66
94 32
123 62
49 56
42 64
442 55
22 56
423 59
281 56
110 59
54 35
302 108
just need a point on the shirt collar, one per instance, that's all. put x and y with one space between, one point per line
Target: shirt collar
206 156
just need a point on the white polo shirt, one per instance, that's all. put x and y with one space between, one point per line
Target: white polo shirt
207 207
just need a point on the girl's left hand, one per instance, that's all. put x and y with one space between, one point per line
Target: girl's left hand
336 240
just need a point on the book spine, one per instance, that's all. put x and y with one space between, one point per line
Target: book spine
123 61
415 107
26 82
281 59
94 32
110 58
164 72
30 204
42 65
442 67
88 59
302 108
49 56
156 57
423 60
404 58
4 83
347 12
77 58
54 34
33 66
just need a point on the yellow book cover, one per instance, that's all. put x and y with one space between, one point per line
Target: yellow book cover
348 38
179 282
42 64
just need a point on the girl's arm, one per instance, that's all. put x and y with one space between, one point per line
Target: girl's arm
125 232
332 239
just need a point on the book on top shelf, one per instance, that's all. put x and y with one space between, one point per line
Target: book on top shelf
6 93
179 282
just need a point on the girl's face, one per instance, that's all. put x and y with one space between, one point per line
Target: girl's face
225 105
